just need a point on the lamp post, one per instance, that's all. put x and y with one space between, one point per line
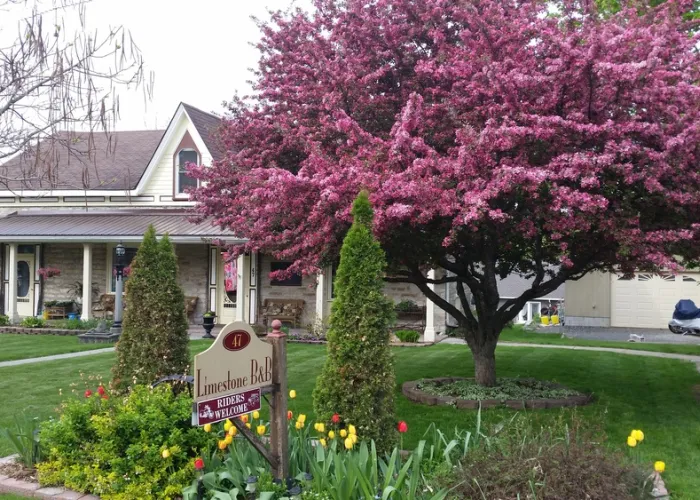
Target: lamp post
119 289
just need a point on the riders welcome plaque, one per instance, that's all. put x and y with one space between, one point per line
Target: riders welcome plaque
228 376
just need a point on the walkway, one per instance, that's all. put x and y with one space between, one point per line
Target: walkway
55 357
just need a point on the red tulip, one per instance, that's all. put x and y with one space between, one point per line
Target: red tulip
88 393
290 415
335 418
104 396
101 390
403 427
198 463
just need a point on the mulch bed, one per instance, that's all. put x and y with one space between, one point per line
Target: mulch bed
16 470
412 392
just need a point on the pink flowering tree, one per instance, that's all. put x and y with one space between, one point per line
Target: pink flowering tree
495 138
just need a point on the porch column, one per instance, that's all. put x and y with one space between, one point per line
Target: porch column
322 282
429 333
12 285
86 313
241 273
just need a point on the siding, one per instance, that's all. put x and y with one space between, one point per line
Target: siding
589 297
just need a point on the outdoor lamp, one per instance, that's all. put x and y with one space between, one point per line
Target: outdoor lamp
121 259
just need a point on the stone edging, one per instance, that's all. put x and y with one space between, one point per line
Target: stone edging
411 391
40 331
34 490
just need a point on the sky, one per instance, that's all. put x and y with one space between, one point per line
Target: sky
198 50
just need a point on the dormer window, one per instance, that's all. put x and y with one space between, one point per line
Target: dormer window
185 182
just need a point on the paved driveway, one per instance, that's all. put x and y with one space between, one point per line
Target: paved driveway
623 334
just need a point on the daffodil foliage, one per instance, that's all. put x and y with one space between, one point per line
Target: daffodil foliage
495 137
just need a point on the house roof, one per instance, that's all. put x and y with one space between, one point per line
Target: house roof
513 286
206 124
80 160
115 225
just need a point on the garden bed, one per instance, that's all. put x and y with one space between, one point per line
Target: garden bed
40 331
517 394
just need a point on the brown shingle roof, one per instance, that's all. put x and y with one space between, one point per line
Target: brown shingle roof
207 125
78 160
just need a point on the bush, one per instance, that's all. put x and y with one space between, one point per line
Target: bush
505 388
407 306
114 447
32 322
357 381
154 342
410 336
24 440
76 324
4 320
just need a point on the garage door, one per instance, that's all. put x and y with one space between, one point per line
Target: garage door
647 300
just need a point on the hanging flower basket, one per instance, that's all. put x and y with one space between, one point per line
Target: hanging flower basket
48 272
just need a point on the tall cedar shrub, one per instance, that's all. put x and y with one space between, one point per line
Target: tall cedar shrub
358 381
154 340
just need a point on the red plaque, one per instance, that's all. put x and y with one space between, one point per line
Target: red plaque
236 340
229 406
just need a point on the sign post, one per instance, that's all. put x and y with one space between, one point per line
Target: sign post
229 379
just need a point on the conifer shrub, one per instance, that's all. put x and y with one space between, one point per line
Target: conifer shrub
154 340
357 381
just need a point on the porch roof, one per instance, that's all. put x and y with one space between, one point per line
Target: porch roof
115 225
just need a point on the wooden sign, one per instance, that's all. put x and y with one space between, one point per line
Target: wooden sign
231 406
236 362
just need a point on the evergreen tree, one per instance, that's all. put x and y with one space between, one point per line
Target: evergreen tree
154 340
358 381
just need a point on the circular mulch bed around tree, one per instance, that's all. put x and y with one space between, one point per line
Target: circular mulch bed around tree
412 392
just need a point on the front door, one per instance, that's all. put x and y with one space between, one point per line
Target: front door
25 285
228 281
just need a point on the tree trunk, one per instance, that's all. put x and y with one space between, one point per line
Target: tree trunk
485 363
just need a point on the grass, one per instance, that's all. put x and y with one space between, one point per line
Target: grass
21 346
8 496
652 394
518 334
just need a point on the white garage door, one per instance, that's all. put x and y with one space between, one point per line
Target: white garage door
648 300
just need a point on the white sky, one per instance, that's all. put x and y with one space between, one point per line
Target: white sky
198 50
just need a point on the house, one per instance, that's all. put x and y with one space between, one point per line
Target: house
63 210
643 300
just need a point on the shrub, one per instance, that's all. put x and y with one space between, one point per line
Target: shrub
24 440
505 388
407 335
154 342
76 324
114 447
4 320
32 322
357 381
407 306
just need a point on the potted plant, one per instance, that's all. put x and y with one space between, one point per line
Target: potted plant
208 324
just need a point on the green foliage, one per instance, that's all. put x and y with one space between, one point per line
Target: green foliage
68 304
410 336
113 447
24 439
358 381
154 340
4 320
505 388
406 306
75 324
32 322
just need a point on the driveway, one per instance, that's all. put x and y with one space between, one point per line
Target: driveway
623 334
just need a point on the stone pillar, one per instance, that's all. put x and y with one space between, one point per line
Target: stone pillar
429 333
12 285
86 313
241 274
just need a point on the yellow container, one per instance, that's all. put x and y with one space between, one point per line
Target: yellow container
555 319
545 320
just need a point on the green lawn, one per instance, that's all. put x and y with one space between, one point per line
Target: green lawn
518 334
8 496
651 394
19 346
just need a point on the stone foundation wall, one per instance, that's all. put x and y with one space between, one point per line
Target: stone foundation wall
305 292
193 274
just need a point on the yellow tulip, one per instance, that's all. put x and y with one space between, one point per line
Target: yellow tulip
228 439
292 394
222 445
227 425
323 442
331 435
256 414
316 426
261 430
353 437
166 453
207 427
631 442
301 418
638 435
321 427
349 444
351 429
343 433
659 467
233 431
247 424
298 425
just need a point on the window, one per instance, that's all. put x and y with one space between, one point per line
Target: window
128 256
293 280
668 277
334 271
184 181
644 277
689 279
622 277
